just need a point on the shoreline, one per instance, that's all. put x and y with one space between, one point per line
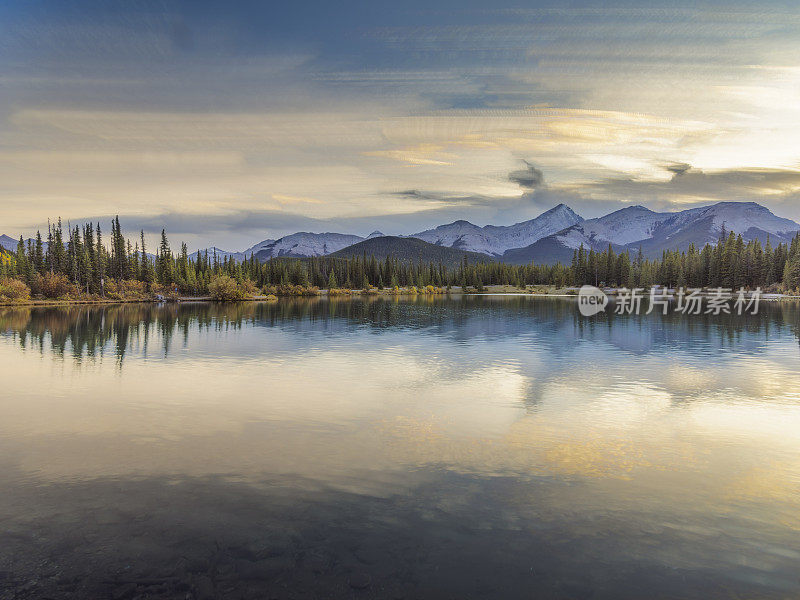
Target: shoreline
498 290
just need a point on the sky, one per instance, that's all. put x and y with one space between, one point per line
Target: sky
230 123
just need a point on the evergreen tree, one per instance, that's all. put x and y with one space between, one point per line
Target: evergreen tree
164 263
23 267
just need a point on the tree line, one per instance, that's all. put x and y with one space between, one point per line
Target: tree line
78 259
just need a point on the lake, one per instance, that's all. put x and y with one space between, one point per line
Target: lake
463 447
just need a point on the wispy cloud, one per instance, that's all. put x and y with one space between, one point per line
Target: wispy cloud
287 200
778 188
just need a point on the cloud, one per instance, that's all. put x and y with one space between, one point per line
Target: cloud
220 129
777 188
678 168
529 178
408 156
286 199
446 197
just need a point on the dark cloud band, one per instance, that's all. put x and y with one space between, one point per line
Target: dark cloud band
529 178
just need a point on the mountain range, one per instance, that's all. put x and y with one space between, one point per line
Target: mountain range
551 237
637 227
554 235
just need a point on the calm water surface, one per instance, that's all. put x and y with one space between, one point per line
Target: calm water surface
475 447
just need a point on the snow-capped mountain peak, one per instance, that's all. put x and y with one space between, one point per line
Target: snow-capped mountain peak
303 244
740 217
494 239
624 226
258 247
220 254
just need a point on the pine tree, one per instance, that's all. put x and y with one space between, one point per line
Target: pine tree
148 274
38 260
101 261
164 262
23 267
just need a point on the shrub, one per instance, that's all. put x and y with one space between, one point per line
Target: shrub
339 292
54 285
225 289
431 289
14 290
127 289
291 290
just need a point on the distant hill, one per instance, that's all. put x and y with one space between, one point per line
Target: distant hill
410 249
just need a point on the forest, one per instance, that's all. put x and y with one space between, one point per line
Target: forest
78 263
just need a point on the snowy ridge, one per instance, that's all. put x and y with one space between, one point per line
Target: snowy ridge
258 247
303 244
622 227
495 240
220 254
638 227
741 217
639 224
